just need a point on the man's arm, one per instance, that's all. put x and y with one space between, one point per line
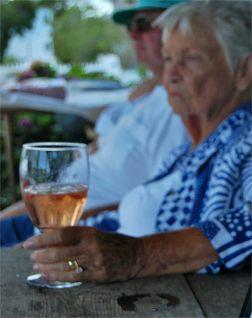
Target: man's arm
13 210
93 146
143 88
99 210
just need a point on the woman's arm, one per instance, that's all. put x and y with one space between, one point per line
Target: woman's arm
13 210
108 256
182 251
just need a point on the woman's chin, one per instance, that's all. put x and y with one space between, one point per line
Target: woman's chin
181 110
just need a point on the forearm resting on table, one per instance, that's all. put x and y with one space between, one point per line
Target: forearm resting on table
176 252
13 210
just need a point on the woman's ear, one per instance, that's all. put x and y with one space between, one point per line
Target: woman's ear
244 74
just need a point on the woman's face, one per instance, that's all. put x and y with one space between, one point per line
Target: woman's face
196 74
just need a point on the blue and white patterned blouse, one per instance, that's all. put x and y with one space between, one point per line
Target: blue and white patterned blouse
209 187
216 190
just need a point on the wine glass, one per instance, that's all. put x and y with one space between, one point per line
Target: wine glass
54 180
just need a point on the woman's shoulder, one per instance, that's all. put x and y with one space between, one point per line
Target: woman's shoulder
235 135
233 158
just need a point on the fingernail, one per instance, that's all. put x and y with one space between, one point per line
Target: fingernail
35 267
28 243
33 256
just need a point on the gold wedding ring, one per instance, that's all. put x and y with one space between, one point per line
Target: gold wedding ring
75 266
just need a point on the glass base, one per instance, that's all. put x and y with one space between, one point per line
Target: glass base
37 280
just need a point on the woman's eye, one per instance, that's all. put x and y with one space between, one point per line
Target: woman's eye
193 58
167 59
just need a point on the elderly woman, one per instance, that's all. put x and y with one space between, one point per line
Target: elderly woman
201 201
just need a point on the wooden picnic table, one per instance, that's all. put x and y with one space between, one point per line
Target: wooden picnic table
167 296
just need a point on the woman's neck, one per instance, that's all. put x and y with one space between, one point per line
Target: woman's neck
200 127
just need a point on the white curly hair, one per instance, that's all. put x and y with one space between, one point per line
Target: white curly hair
229 19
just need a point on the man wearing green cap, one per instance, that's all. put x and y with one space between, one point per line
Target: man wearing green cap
147 41
142 137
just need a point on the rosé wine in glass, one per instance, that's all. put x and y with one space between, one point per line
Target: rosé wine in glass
54 179
55 205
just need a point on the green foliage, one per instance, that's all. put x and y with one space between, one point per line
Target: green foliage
79 36
18 15
31 127
42 69
57 6
78 71
10 59
142 72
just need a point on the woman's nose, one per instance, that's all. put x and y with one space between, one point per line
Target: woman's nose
172 73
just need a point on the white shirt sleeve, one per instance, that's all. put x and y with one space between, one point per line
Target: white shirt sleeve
112 115
138 210
133 150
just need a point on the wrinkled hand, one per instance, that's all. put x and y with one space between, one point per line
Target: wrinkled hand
104 257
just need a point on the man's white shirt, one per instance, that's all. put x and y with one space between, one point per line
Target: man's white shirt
138 141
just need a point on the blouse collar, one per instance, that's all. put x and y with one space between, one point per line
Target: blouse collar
237 124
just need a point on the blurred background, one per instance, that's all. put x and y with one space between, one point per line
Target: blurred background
67 41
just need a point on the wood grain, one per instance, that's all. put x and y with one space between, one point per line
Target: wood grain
221 295
168 296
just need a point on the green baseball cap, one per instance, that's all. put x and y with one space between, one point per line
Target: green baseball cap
125 16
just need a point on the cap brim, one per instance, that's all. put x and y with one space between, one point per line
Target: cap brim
125 16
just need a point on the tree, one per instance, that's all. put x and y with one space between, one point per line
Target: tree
80 35
18 15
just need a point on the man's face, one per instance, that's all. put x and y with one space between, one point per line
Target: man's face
147 39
